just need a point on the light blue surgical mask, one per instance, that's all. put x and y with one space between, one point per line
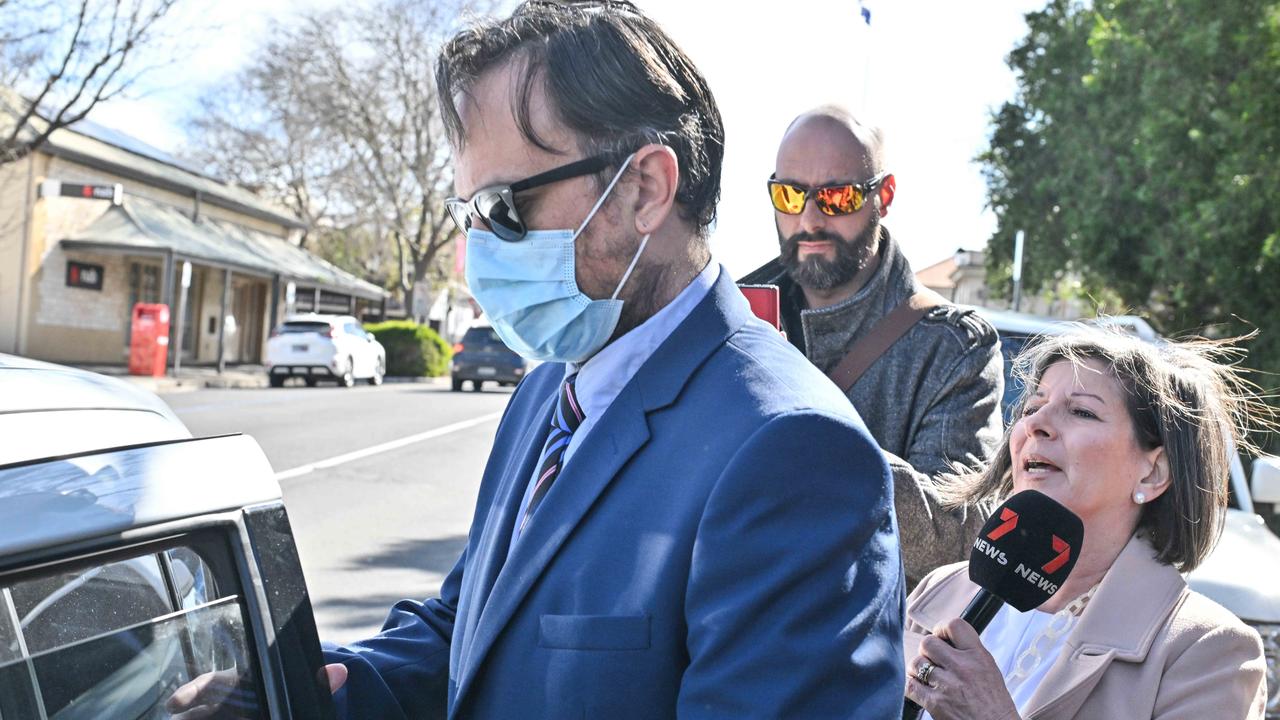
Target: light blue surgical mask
529 290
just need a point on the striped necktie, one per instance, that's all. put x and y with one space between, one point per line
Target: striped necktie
564 421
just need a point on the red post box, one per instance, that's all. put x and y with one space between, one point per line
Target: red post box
149 339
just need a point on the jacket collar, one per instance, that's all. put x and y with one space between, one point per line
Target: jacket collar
619 434
1120 623
829 331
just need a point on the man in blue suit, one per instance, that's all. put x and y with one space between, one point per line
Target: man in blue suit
680 517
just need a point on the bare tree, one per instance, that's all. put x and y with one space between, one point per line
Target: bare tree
343 126
58 60
265 132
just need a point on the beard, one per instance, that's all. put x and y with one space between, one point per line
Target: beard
816 272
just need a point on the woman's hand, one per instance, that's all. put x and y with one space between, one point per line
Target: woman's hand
965 683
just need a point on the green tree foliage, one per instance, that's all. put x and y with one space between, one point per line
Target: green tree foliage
1142 152
413 350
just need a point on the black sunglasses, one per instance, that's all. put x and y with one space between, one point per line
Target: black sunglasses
495 205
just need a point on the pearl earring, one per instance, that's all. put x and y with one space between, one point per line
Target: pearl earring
1139 497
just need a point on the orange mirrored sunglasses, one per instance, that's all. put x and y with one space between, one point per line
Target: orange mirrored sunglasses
832 200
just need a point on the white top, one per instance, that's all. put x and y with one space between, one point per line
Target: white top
1011 635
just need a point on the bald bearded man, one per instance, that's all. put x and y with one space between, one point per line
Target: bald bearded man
924 374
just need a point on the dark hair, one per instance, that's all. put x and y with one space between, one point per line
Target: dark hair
611 75
1187 397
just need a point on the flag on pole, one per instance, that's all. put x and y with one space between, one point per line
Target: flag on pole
865 12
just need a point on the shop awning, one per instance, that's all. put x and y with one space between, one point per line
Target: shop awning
145 226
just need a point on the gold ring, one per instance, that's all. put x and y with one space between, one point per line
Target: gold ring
923 671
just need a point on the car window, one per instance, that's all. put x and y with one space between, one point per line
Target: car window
52 610
355 329
9 647
303 327
17 694
481 336
1011 345
116 639
193 581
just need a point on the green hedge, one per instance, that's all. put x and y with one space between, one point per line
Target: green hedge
412 350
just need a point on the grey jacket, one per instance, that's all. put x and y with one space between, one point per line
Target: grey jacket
932 401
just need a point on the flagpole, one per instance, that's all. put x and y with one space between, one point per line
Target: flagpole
864 14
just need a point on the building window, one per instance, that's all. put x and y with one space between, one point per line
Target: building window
144 287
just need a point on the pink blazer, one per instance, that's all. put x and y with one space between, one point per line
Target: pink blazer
1146 647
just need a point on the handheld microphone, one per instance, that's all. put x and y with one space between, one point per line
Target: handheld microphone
1023 555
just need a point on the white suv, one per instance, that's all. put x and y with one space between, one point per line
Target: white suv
324 347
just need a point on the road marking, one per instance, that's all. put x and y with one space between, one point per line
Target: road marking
392 445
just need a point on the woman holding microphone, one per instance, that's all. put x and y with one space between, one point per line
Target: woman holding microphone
1135 439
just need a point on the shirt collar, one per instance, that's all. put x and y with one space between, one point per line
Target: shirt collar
602 377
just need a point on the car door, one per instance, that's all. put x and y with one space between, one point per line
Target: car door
126 574
361 350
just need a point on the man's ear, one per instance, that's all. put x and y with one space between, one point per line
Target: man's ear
657 173
888 187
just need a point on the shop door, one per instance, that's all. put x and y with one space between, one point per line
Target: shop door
248 305
191 314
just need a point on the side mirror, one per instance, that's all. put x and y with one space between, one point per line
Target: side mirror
183 580
1266 479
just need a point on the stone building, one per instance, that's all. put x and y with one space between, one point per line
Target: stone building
95 221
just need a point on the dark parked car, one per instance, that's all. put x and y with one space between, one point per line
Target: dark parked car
481 357
135 558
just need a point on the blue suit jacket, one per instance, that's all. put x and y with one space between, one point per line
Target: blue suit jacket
722 544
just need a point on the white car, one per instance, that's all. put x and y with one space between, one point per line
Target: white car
324 347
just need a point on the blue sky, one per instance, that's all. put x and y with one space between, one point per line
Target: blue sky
928 71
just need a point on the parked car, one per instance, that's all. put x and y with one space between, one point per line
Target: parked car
135 558
1243 572
324 347
482 357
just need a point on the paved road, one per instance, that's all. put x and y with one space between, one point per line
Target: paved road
388 515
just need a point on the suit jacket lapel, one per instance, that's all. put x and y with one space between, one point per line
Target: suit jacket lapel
494 543
619 434
1120 624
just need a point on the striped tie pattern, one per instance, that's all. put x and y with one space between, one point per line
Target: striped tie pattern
564 421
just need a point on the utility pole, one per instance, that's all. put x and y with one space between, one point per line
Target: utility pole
182 315
1017 270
